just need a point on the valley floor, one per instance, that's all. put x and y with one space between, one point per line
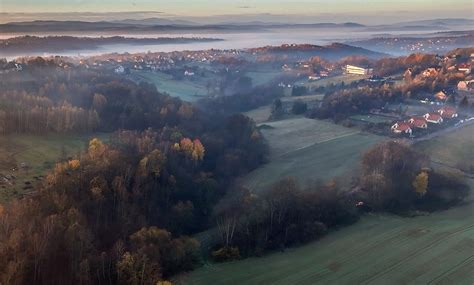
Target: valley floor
433 249
436 248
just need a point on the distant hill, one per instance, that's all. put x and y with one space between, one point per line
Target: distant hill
156 21
32 44
81 26
439 22
153 24
431 43
334 51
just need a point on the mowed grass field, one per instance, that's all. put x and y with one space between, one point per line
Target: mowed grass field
260 114
263 77
309 150
434 249
346 78
40 154
453 149
185 89
380 249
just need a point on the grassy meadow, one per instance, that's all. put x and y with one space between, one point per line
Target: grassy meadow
39 153
432 249
453 150
263 77
346 78
435 248
186 90
309 149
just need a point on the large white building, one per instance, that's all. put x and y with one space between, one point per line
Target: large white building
352 69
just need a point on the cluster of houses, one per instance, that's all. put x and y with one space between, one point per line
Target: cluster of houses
422 122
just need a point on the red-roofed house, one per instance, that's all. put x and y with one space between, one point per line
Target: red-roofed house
448 112
441 95
466 68
418 122
433 118
401 128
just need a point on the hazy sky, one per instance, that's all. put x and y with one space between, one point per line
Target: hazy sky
361 10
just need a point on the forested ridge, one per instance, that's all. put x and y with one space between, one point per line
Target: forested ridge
119 212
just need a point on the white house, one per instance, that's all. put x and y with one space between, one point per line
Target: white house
119 70
353 69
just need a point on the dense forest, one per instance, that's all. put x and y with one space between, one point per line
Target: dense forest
119 212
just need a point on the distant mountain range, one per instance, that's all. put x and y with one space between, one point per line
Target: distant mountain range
155 24
151 25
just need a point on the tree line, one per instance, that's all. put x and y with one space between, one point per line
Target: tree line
395 178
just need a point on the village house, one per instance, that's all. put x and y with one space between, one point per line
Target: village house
465 68
119 70
401 128
188 73
418 122
430 72
433 118
324 73
448 112
353 69
376 78
441 96
465 85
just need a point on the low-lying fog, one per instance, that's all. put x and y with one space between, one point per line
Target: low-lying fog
318 36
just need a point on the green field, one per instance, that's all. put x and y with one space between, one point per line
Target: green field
455 149
305 98
309 150
346 78
437 248
371 119
185 89
260 114
263 77
433 249
39 153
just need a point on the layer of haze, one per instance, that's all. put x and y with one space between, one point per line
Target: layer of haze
214 11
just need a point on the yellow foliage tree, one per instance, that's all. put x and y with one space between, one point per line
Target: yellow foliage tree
96 147
198 152
187 146
74 164
420 184
164 283
153 163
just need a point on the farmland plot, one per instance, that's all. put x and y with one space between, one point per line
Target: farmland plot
184 89
437 248
309 150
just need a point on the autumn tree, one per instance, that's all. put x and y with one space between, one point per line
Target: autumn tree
420 184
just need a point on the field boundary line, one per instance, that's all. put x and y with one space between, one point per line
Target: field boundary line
316 143
451 269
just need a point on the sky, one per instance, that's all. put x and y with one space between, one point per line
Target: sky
366 11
